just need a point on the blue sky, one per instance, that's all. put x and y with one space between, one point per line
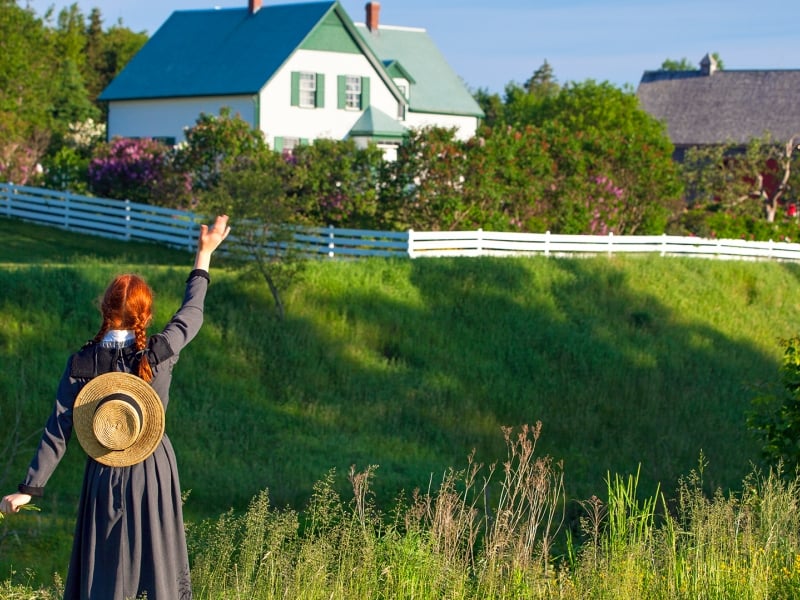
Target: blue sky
490 43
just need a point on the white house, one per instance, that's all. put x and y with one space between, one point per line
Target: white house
298 72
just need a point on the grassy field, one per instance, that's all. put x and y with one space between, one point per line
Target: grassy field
632 364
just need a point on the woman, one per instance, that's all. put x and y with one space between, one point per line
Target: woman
129 537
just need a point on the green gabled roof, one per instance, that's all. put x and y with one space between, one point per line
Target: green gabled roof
377 124
223 52
436 87
215 52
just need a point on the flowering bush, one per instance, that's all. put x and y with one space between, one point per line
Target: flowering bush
129 169
605 205
85 135
19 164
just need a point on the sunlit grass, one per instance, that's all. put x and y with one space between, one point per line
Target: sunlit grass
632 364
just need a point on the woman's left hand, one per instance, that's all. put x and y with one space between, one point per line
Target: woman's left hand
13 502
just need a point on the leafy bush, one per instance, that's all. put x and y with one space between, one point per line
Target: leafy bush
775 417
717 224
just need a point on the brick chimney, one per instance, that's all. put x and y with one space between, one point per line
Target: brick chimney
373 10
253 6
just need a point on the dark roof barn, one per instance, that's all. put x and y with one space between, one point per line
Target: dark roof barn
710 106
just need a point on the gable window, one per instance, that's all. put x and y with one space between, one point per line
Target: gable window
308 89
353 92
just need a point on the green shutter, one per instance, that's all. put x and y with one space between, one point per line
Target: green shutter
320 97
341 91
278 144
295 88
364 93
304 141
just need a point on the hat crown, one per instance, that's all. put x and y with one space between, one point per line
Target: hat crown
118 418
117 423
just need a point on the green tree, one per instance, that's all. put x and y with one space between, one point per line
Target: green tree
775 414
543 83
213 145
116 47
424 188
621 176
71 103
335 182
523 102
684 64
26 101
751 181
93 50
491 105
253 192
512 177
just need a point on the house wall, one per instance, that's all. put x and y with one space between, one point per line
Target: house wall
279 119
465 126
167 118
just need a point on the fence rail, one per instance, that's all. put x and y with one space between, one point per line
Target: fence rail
125 220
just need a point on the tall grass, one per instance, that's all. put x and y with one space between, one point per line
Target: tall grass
409 366
442 543
445 545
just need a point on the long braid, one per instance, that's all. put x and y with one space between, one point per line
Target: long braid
140 330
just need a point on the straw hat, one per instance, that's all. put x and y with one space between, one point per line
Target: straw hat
119 419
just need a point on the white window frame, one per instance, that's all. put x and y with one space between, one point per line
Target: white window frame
352 92
308 90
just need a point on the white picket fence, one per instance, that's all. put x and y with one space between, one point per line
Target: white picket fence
121 219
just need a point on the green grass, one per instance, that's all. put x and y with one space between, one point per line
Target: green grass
632 364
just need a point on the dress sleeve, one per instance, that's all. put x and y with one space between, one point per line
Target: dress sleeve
55 437
185 324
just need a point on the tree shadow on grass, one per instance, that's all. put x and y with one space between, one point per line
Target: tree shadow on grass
416 364
411 364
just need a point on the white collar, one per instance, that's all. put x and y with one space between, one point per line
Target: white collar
119 336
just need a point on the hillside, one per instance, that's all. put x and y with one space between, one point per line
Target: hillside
410 365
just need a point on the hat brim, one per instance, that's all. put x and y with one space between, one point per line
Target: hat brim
152 418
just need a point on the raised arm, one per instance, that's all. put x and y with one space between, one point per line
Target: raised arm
185 324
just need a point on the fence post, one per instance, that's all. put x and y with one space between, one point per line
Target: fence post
479 241
67 204
547 243
127 220
7 188
610 243
410 244
331 242
194 219
663 244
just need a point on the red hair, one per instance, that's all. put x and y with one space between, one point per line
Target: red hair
128 304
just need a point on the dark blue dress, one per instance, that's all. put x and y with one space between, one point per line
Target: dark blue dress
129 536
